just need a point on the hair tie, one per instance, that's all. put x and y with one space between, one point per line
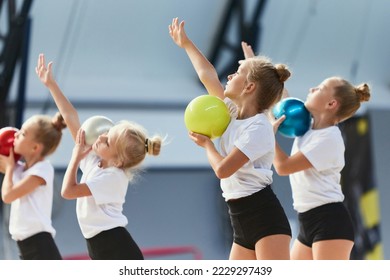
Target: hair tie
146 145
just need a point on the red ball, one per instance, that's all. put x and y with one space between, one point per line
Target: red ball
7 137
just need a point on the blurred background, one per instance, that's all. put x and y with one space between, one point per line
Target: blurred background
117 59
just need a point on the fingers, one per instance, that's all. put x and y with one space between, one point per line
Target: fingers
192 136
277 123
247 49
280 120
43 71
181 25
175 26
80 136
49 66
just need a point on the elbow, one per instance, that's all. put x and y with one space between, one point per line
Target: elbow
281 171
222 173
6 199
66 195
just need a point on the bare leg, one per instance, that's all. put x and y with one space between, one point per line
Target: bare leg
300 251
273 247
241 253
338 249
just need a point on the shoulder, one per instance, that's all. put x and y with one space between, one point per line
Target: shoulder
44 165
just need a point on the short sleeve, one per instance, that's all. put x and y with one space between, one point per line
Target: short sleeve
325 151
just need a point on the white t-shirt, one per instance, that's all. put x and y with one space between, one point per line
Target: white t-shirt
319 185
31 214
255 138
103 209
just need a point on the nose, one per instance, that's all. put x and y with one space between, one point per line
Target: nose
103 137
229 77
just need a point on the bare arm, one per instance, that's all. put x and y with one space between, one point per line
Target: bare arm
71 189
65 107
11 191
223 167
205 70
285 164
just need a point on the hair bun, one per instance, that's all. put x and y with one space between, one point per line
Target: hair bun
283 72
58 122
363 92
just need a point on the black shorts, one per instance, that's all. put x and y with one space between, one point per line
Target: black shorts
40 246
113 244
326 222
257 216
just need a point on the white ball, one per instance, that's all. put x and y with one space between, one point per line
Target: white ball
94 127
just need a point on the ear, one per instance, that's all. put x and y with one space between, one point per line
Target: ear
37 148
332 104
250 87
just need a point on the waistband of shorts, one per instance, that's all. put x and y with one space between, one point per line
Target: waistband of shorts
253 198
323 207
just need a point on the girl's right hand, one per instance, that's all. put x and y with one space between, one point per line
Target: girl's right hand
247 50
177 33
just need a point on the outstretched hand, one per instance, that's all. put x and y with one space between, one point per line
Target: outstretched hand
43 71
177 33
247 50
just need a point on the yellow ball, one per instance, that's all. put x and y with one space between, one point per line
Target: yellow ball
94 127
207 115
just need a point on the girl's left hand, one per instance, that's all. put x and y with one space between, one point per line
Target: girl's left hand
200 139
80 150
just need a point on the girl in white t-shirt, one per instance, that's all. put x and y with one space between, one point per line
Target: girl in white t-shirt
314 166
28 187
260 225
107 167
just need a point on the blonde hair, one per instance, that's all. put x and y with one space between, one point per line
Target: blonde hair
269 79
48 131
350 97
132 145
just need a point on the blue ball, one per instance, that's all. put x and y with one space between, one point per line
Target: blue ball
298 118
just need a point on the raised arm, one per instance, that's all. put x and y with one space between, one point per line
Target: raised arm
66 108
205 70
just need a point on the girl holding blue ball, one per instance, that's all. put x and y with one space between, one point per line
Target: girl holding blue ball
314 166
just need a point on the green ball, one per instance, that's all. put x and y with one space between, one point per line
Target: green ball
207 115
